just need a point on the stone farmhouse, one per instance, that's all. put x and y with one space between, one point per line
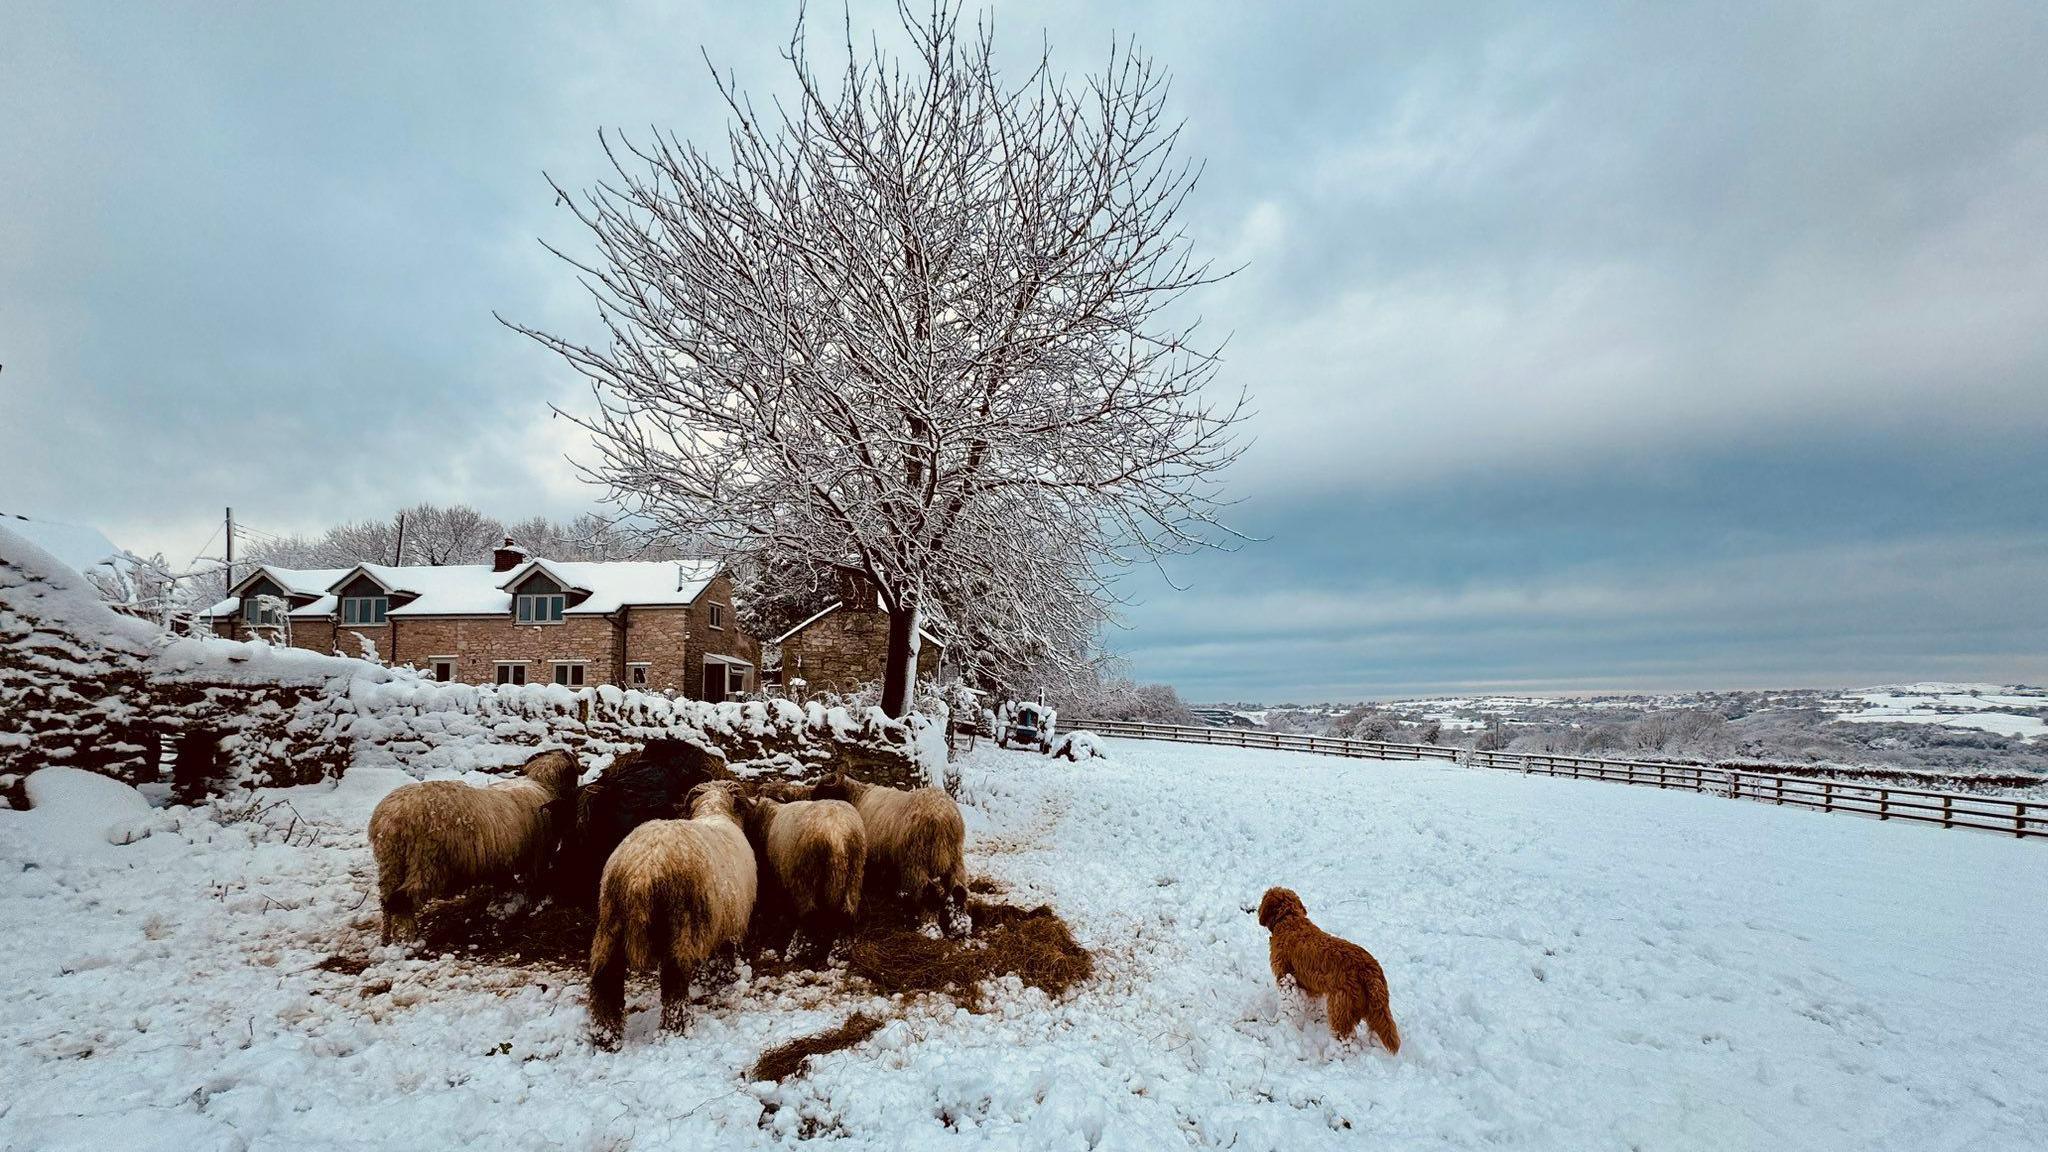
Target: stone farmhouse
660 625
844 647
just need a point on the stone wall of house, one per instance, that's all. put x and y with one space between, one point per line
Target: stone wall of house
481 643
846 650
725 640
660 639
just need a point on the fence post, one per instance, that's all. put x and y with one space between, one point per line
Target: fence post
1734 788
1780 781
1947 811
2019 818
1827 795
1884 804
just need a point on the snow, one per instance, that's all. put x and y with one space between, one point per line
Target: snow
478 590
72 810
312 582
1573 965
1978 706
2000 723
77 546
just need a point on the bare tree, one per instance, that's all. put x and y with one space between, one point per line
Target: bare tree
914 323
457 534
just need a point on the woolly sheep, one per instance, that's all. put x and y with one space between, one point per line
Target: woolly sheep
649 783
439 838
916 844
812 859
673 894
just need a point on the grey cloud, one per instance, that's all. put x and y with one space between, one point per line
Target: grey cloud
1547 310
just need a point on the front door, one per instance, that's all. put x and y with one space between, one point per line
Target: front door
714 681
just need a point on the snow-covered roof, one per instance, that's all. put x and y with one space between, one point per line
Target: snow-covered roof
477 590
311 582
834 607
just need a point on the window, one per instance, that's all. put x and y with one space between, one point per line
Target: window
636 675
265 615
736 678
541 609
718 616
569 675
511 673
444 668
364 609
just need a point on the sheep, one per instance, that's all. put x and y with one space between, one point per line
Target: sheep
674 894
437 838
649 783
812 859
916 845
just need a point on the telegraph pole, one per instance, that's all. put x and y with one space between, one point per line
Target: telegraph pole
231 548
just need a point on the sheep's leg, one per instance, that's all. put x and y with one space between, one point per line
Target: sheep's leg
675 996
608 1003
399 916
956 919
536 886
723 967
820 935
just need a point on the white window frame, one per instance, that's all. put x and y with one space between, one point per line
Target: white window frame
434 666
582 672
735 680
502 665
254 613
639 674
715 615
539 607
378 607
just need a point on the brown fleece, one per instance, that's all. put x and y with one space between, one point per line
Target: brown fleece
673 893
438 838
1326 965
916 840
812 855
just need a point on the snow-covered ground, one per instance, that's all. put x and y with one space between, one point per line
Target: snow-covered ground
1986 707
1574 965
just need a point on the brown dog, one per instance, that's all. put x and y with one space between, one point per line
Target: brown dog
1325 965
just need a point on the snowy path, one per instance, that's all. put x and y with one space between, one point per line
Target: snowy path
1573 965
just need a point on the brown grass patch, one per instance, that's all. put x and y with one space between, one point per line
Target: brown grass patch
1032 944
886 950
557 935
785 1060
345 964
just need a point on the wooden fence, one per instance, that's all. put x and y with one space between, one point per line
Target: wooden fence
2021 818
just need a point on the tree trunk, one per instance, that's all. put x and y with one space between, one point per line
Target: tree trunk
899 674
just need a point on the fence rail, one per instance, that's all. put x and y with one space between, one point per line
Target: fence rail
2020 818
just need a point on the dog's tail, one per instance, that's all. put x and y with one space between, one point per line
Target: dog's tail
1365 998
1380 1020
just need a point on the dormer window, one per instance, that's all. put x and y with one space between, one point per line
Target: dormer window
717 615
540 609
364 610
262 611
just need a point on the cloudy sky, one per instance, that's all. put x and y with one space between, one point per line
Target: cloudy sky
1594 347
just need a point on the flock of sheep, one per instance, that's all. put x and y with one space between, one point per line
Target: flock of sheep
681 860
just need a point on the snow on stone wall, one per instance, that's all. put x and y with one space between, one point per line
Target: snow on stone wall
84 686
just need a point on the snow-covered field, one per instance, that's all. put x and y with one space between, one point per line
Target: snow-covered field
1574 965
1985 707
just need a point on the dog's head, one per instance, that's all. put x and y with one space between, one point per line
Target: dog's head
1277 905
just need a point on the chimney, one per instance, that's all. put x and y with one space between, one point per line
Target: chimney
508 556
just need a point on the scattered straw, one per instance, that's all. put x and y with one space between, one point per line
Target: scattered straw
1032 944
785 1060
344 963
557 935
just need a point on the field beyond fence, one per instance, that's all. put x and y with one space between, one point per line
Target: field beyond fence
2012 817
